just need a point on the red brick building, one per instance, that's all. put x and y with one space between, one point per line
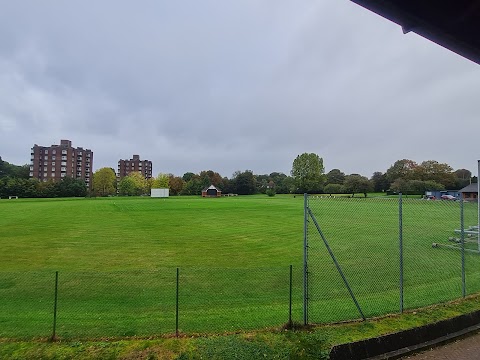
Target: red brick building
126 167
58 161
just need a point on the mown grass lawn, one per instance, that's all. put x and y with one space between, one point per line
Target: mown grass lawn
117 260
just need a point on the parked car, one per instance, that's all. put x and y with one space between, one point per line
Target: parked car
448 197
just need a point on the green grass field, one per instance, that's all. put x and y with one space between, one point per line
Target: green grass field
117 261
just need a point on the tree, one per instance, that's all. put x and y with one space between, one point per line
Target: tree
2 167
463 177
401 169
193 186
380 182
434 171
357 184
133 184
160 182
14 171
462 174
308 173
244 182
176 184
104 182
70 187
188 176
335 176
333 189
214 178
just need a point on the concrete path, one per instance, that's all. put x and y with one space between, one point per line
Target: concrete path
463 349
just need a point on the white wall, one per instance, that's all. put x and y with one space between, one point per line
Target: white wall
159 193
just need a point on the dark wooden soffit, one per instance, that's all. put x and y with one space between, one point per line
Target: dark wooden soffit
453 24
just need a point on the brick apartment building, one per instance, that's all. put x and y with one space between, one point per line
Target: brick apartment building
126 167
58 161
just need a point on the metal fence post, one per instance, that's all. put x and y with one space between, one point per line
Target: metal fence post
305 259
462 243
55 308
176 304
400 243
290 299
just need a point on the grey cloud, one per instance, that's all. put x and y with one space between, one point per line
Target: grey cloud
229 86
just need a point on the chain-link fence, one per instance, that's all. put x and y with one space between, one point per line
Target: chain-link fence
374 256
364 257
148 303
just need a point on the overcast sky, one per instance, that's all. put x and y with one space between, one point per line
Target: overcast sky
231 85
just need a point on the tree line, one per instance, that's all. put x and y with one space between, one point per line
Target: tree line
307 176
15 181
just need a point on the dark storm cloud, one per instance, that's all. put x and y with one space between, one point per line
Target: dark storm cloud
222 86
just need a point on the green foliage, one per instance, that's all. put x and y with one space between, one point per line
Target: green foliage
402 172
380 182
244 183
13 171
33 188
104 182
333 189
270 192
307 171
133 184
193 186
161 182
69 187
188 176
335 176
401 169
357 184
415 187
176 185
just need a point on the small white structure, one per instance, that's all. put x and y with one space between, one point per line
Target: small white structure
159 193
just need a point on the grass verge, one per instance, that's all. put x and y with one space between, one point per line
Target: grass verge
312 343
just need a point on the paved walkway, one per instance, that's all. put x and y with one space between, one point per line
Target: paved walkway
464 349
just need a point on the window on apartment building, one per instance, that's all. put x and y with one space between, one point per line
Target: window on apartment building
64 158
63 169
62 175
54 151
64 163
45 163
31 174
46 151
53 157
53 175
53 163
64 152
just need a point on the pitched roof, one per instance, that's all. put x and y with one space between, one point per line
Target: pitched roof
470 188
211 187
